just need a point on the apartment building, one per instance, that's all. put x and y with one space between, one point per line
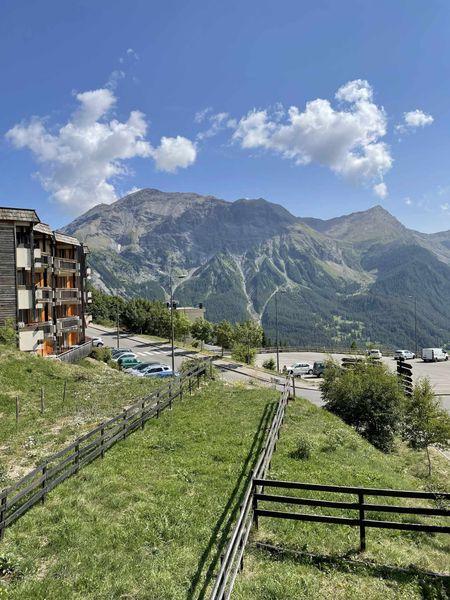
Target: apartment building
43 277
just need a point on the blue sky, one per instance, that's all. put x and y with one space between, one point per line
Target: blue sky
154 68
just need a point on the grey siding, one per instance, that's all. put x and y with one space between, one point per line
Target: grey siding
8 296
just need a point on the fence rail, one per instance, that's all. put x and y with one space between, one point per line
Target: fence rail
232 560
362 507
33 487
74 354
324 350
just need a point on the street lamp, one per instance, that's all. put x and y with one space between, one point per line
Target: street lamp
117 332
415 324
276 332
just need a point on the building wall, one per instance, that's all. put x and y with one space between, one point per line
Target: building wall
8 299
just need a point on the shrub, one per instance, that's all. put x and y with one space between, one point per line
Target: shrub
102 354
8 335
189 365
269 364
244 353
366 396
302 450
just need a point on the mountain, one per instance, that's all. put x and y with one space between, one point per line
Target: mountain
351 277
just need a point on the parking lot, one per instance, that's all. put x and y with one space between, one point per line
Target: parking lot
439 373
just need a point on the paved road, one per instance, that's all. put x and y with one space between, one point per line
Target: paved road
146 350
439 373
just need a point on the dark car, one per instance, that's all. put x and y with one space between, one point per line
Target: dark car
318 368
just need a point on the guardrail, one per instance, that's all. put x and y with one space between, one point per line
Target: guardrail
17 499
74 354
360 506
232 560
324 350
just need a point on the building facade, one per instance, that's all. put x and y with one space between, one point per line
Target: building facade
43 277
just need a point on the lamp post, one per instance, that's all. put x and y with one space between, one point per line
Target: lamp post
276 332
117 332
416 349
172 329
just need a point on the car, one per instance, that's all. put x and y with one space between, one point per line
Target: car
128 362
434 355
300 368
127 354
318 368
374 353
97 342
141 368
159 371
116 351
404 355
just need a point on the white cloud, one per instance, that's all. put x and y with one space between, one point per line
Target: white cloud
80 162
445 206
174 153
380 190
217 123
414 119
408 201
347 140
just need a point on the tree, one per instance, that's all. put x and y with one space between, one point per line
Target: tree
247 336
224 332
8 335
181 325
243 353
201 330
425 423
366 396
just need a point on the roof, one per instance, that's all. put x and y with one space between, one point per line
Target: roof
43 228
66 239
18 214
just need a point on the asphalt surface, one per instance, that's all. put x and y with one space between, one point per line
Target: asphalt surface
438 373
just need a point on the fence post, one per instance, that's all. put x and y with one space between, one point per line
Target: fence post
124 426
362 528
181 389
42 400
190 385
44 481
293 386
77 457
102 441
2 516
142 413
198 380
254 505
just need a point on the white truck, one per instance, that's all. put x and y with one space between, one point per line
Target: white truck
434 355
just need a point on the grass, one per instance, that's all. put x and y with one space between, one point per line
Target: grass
93 392
148 521
321 561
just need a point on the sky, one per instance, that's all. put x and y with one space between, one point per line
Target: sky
324 107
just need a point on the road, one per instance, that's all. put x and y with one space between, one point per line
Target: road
438 373
146 350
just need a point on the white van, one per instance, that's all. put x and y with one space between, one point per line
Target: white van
434 354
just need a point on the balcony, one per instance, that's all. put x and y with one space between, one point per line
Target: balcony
24 297
42 260
47 327
67 324
44 294
66 265
67 296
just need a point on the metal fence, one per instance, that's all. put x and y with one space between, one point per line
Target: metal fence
360 506
75 354
31 489
232 560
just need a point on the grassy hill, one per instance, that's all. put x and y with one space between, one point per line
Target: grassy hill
93 392
315 561
150 520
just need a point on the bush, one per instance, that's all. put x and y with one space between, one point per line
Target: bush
243 353
8 336
302 450
269 364
366 396
102 354
189 365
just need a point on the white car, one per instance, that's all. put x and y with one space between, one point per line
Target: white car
374 353
404 355
98 342
124 355
300 368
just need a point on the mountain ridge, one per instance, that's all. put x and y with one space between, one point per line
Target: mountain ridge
235 256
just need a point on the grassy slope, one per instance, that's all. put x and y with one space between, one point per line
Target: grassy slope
340 456
94 392
145 522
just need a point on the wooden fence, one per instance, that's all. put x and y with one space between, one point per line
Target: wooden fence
232 560
360 506
74 354
33 488
324 350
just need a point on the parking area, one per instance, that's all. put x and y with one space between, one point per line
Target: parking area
439 373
